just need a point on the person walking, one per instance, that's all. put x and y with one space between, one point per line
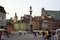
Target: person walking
52 35
41 37
49 35
44 35
3 37
57 36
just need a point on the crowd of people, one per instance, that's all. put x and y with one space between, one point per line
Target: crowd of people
50 35
46 35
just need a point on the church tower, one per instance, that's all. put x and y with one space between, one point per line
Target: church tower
15 18
43 12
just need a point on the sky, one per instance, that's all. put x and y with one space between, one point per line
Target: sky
21 7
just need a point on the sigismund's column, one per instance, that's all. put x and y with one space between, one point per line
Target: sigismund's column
31 19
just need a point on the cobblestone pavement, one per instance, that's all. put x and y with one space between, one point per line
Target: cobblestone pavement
24 37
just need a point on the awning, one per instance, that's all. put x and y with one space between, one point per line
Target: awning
2 30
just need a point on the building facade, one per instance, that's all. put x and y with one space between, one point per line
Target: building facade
36 23
2 17
10 27
51 19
